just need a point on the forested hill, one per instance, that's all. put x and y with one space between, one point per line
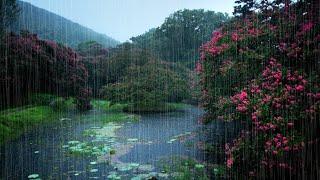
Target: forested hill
51 26
178 39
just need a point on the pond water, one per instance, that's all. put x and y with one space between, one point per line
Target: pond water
81 147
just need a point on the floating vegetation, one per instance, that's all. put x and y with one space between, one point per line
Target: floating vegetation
89 133
94 170
171 141
146 167
65 119
108 130
182 168
124 167
87 149
163 175
142 176
113 175
199 166
34 176
132 140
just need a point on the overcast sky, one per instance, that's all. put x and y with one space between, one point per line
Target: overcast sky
122 19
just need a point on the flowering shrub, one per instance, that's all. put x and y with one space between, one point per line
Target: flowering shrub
276 105
263 71
34 65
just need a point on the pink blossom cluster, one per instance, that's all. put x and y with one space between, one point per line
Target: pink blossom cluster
277 144
229 149
235 36
241 101
212 48
272 75
306 27
277 91
199 67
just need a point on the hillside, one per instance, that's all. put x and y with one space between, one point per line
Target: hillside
50 26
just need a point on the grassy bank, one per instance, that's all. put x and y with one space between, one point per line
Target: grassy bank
125 107
13 122
42 108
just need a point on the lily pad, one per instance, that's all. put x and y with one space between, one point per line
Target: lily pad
171 141
33 176
124 167
146 167
134 165
163 175
73 142
141 176
113 175
94 170
199 166
132 140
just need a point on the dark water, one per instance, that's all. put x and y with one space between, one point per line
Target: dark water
143 143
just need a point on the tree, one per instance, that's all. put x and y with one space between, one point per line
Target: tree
8 12
179 37
30 65
148 87
244 7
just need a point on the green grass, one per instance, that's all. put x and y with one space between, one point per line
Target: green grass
100 104
166 107
14 121
106 106
119 117
123 107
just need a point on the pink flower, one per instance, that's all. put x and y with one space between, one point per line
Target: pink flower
229 162
268 143
299 88
278 144
290 124
243 95
287 148
274 152
242 108
235 37
307 26
198 67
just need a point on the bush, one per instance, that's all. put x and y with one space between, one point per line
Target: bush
262 70
62 104
41 99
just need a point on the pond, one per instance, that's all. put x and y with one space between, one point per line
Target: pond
79 146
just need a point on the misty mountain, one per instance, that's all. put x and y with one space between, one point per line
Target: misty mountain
51 26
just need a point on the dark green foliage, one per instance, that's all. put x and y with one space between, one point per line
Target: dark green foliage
122 58
30 65
8 12
181 35
94 57
244 7
41 99
148 87
50 26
